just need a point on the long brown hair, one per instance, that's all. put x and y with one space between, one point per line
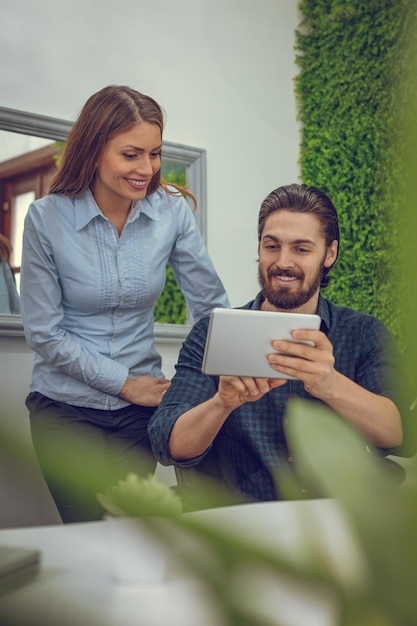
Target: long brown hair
108 112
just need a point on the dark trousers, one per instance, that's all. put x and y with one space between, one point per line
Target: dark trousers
83 451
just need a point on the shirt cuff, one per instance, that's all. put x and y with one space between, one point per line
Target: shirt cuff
111 378
191 462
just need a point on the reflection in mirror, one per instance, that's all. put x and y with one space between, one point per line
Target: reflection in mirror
26 166
30 145
9 296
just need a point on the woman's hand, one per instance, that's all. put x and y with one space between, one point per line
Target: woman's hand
145 390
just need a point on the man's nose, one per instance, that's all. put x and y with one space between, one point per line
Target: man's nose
285 259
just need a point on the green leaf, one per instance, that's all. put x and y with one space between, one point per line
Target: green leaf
332 457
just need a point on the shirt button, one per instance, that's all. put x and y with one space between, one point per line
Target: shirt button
304 491
290 459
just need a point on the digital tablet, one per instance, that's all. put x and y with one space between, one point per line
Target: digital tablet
239 340
17 567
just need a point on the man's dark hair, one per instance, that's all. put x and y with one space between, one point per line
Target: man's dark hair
304 199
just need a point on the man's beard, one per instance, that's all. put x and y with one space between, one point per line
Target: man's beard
287 298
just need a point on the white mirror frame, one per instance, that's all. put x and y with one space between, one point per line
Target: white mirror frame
194 159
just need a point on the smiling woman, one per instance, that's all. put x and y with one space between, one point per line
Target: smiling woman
94 257
30 144
125 170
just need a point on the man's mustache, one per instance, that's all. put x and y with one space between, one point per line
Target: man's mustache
285 273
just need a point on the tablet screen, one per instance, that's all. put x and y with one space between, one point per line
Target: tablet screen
239 340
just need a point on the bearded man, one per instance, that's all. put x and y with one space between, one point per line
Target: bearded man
350 364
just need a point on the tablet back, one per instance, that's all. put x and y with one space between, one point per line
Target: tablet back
239 340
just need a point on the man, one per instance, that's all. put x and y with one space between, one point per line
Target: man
351 366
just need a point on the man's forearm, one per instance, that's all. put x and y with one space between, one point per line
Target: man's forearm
375 416
196 429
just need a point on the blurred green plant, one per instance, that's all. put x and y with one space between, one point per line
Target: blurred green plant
332 459
139 497
331 456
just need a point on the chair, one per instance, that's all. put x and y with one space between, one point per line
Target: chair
201 486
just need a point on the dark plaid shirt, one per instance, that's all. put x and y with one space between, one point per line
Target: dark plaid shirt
251 444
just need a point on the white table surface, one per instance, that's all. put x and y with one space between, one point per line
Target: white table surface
75 586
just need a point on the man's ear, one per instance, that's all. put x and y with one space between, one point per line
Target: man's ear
331 255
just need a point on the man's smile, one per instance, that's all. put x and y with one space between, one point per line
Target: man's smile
284 278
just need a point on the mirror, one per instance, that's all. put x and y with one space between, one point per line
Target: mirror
27 150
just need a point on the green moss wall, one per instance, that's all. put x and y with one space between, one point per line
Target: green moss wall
351 55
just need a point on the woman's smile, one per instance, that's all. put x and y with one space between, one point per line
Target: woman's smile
136 184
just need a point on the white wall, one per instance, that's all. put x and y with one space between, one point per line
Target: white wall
222 70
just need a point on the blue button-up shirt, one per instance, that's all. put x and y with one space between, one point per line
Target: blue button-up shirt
88 295
251 445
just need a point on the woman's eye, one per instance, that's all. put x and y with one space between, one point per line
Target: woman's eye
155 155
128 155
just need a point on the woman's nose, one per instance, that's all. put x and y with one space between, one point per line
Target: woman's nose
145 166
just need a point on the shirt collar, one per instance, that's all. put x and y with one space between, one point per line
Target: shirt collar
87 209
322 310
148 206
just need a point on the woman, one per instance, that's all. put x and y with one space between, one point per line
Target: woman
9 298
95 252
